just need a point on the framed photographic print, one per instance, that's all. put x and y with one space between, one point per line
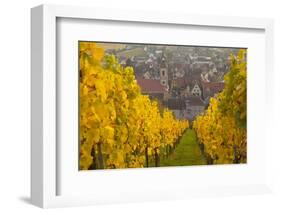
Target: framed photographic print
130 106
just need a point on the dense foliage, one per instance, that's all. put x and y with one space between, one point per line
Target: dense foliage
222 129
119 127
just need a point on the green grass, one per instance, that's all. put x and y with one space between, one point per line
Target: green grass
187 152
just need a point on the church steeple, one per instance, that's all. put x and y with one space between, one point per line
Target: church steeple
163 71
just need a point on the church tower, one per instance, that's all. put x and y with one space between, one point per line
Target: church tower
164 72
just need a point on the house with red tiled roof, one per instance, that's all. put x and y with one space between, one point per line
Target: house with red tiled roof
211 88
180 82
186 87
153 88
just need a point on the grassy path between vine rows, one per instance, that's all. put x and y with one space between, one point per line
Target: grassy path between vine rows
187 152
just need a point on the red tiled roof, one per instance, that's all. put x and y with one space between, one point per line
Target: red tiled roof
214 86
181 82
150 85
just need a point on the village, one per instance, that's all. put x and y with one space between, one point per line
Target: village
181 78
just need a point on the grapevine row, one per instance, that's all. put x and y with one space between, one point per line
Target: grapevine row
222 129
119 127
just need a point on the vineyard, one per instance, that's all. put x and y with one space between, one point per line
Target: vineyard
222 129
122 128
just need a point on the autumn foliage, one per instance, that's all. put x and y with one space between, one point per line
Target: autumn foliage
222 129
119 127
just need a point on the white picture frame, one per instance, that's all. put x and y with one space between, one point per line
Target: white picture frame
45 171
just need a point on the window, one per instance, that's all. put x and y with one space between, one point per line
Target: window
163 72
163 82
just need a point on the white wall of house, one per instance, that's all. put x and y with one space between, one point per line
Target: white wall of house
196 91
